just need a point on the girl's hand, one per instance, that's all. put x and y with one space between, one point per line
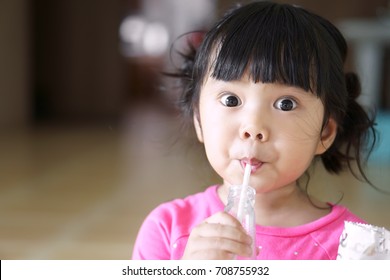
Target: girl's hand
219 237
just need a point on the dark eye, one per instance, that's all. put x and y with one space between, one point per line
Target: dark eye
285 104
230 100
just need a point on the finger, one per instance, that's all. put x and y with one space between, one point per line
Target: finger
223 218
220 236
224 246
223 231
199 247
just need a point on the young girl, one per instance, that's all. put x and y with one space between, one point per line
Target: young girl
266 87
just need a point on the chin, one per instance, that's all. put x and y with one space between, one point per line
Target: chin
262 187
232 181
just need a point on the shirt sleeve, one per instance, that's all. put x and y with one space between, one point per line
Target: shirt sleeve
153 240
165 231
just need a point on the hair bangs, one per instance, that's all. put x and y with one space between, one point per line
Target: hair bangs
270 45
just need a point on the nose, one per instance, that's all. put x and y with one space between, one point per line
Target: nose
255 121
254 132
253 136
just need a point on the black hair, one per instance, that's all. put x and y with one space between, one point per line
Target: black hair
285 44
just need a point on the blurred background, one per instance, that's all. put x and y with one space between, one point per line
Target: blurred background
87 135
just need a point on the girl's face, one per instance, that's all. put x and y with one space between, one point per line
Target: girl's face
273 127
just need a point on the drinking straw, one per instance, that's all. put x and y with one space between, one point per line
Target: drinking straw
243 196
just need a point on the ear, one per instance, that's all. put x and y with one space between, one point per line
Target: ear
327 136
198 127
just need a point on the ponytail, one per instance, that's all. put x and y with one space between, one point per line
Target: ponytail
355 134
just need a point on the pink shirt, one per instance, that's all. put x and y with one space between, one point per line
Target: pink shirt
165 231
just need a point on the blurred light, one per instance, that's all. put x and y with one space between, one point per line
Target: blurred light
131 29
156 39
142 38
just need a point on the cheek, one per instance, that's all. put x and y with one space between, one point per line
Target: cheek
307 129
297 140
293 161
301 129
215 126
218 139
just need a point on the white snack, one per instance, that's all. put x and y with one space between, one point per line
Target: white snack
364 242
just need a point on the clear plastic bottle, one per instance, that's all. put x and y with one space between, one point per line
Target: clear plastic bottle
247 218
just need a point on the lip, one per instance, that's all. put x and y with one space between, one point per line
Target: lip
255 163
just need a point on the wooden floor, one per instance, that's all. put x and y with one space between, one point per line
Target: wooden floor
81 192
